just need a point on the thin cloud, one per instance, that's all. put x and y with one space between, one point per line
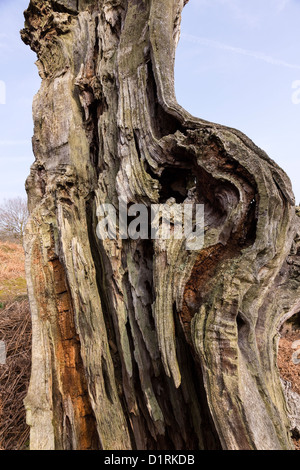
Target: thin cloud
236 8
10 143
281 5
238 50
16 159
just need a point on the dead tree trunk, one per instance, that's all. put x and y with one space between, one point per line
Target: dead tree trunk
142 343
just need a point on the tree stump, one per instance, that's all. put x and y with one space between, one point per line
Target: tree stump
143 344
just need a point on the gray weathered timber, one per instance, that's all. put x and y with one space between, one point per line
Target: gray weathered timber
139 343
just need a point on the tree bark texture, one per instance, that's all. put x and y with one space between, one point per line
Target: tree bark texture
142 344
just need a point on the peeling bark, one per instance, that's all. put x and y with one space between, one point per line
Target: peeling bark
142 344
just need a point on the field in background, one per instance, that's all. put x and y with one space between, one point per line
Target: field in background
12 272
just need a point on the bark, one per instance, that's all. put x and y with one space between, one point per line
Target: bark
142 344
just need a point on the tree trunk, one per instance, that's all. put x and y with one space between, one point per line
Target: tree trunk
143 344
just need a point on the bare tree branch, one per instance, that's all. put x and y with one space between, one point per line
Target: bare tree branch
13 218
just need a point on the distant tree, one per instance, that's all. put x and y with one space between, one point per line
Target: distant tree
13 218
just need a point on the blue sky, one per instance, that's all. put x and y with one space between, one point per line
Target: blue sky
236 64
19 73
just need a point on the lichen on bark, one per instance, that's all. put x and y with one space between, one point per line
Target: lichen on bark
142 344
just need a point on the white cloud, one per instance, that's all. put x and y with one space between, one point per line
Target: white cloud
238 50
282 4
16 159
10 143
237 9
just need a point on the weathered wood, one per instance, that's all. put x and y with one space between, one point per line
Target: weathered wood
144 344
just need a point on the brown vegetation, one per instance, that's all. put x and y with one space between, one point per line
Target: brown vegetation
12 272
15 331
290 371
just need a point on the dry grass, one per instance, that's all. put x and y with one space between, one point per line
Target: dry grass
12 272
15 330
11 262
